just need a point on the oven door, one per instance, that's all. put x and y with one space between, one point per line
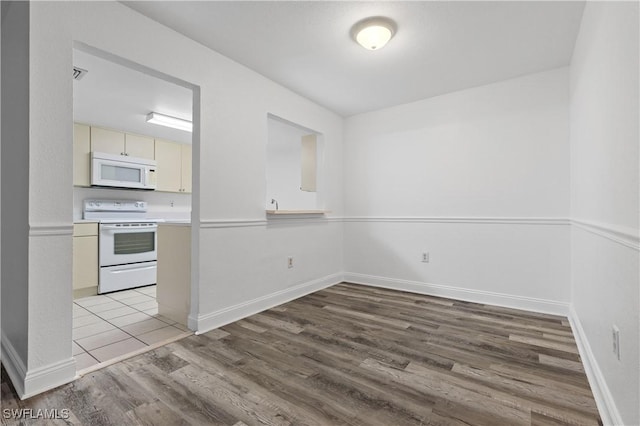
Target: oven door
125 243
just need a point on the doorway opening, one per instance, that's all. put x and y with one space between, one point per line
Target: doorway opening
134 181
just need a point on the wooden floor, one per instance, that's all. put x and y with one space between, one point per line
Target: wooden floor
345 355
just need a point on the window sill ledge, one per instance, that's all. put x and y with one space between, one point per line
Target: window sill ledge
296 212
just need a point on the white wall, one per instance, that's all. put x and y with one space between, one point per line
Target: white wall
284 154
236 262
604 202
15 195
478 179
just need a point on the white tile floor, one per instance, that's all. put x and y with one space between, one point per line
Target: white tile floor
111 325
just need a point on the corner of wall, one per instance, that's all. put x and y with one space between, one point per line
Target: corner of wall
601 393
230 314
13 364
28 383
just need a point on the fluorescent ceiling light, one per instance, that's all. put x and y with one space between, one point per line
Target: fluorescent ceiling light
373 33
168 121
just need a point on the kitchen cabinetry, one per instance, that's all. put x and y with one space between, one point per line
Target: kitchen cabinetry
185 155
174 166
174 271
173 159
139 146
85 259
81 155
120 143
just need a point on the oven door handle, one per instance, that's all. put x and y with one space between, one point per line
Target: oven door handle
127 268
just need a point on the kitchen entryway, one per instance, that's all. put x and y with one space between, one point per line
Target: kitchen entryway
130 174
109 326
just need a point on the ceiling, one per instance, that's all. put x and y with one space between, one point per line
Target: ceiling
439 47
119 97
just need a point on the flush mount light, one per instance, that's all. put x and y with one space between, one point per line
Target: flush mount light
373 33
168 121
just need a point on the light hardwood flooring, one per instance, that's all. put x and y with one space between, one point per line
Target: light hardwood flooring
348 354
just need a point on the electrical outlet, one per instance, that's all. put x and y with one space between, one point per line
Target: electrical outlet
290 262
615 337
425 257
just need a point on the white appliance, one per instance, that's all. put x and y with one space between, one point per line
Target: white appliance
121 171
127 243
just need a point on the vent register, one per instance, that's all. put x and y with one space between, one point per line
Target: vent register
78 73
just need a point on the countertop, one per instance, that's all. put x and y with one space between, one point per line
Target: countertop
165 221
175 223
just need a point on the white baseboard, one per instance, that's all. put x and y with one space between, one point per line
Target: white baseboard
14 365
466 294
601 393
28 383
228 315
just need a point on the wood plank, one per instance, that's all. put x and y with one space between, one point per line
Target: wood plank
347 355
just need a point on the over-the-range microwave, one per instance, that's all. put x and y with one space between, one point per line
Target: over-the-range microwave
120 171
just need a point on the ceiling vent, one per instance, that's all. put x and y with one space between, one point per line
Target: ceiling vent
78 73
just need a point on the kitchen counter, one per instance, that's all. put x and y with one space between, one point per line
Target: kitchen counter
164 221
185 222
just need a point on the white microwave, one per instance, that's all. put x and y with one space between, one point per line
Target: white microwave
120 171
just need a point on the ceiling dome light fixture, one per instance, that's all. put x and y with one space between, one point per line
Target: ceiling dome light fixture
373 33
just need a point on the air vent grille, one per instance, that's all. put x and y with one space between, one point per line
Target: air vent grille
78 73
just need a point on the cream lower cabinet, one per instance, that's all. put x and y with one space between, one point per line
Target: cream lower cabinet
174 271
85 259
174 166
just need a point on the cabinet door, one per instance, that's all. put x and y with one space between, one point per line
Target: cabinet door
139 146
81 155
169 161
186 168
107 141
85 262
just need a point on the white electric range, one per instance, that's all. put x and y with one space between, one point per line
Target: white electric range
127 243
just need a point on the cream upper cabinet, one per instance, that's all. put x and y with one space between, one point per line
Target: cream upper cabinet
81 155
107 141
120 143
186 167
169 160
173 159
174 166
139 146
